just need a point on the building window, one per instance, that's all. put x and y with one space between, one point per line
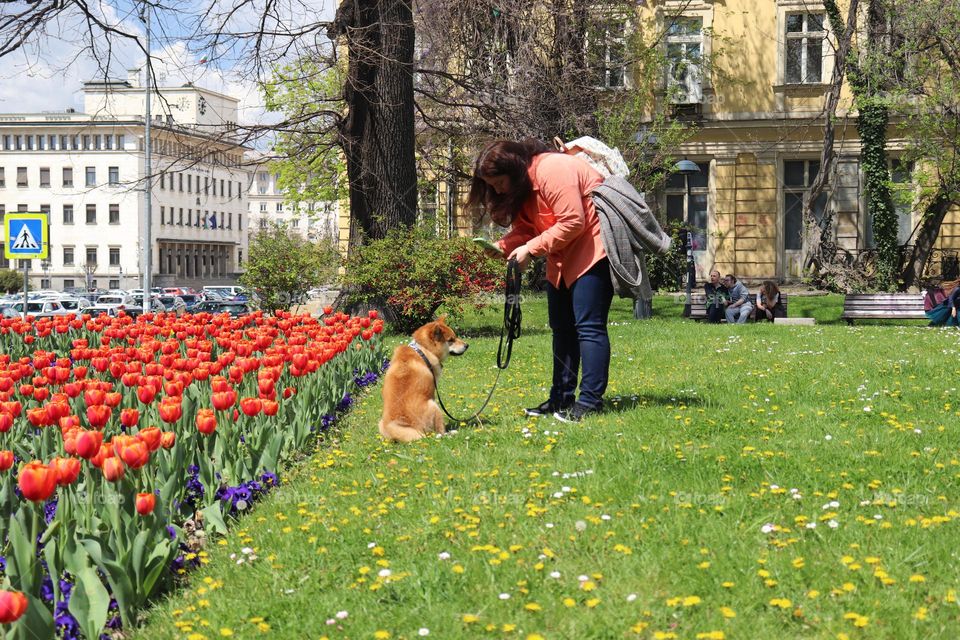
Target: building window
113 284
114 214
606 48
279 207
295 223
263 207
685 60
230 220
41 143
21 176
44 282
68 214
68 176
45 208
68 256
45 177
798 175
180 218
96 142
91 256
180 181
805 37
163 216
113 176
7 143
91 214
239 222
189 183
91 176
263 223
86 143
114 256
3 179
108 143
68 283
692 211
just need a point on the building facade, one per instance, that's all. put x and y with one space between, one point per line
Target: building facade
751 78
314 221
86 172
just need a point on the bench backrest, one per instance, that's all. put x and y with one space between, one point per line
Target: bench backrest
904 306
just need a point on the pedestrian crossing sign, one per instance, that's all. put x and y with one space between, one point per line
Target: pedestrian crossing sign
26 236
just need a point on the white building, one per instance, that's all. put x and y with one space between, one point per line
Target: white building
86 170
313 220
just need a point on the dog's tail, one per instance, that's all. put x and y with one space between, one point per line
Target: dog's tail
398 432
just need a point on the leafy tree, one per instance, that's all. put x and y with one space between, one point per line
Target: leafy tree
11 281
283 266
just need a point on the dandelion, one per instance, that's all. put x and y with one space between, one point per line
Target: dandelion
532 606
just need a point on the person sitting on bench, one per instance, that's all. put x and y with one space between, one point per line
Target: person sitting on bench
769 305
738 306
716 297
941 302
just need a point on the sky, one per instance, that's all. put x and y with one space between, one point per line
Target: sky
48 73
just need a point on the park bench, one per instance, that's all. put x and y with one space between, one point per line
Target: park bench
698 305
883 306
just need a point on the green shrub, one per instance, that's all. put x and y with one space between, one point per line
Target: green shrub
668 272
410 275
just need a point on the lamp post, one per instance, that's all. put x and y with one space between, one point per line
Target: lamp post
687 168
147 170
649 144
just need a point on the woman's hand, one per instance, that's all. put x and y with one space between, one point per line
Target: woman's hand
522 255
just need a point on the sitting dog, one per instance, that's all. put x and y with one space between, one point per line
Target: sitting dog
409 409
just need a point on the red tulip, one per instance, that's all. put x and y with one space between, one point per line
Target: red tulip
72 389
112 399
135 454
6 421
37 481
151 437
168 439
88 443
94 397
146 393
270 407
170 411
67 470
250 406
146 503
223 400
13 604
6 460
113 469
206 421
129 417
98 415
38 417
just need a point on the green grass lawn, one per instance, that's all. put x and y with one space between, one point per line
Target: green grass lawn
751 482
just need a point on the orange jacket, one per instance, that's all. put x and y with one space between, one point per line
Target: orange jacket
558 219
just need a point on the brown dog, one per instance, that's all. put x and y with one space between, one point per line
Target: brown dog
409 410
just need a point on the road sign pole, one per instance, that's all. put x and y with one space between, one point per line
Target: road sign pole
26 285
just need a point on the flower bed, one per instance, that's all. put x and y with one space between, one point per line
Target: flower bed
116 433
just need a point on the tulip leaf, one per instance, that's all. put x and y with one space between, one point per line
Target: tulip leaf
89 602
21 562
213 516
36 622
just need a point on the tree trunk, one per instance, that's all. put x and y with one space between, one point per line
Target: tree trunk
926 237
377 133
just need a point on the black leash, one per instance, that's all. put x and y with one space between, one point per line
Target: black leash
509 332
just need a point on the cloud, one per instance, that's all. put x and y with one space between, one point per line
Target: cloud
48 73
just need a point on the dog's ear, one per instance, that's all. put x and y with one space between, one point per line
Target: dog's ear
437 332
442 319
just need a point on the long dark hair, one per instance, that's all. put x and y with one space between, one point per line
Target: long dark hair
770 290
504 158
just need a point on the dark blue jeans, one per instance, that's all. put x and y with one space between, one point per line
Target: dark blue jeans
578 318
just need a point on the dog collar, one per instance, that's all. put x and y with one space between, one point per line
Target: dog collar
416 347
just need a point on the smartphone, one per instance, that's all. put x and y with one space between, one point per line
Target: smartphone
486 244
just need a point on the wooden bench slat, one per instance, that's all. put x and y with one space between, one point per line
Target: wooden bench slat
881 306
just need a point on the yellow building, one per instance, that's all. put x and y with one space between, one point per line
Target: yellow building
752 77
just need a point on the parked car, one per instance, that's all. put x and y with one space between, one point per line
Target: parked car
233 307
43 308
169 302
98 309
228 291
8 312
76 305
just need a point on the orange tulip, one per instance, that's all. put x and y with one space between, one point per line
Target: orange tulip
146 503
223 400
270 407
13 604
6 421
88 443
6 460
129 417
37 481
151 437
168 439
113 469
146 393
67 470
206 421
170 411
250 406
136 454
98 415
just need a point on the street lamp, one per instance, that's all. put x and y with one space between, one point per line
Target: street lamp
687 168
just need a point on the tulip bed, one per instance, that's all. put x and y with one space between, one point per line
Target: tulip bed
118 435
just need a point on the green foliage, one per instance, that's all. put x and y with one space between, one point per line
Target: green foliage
872 127
310 162
412 274
11 281
283 266
668 272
